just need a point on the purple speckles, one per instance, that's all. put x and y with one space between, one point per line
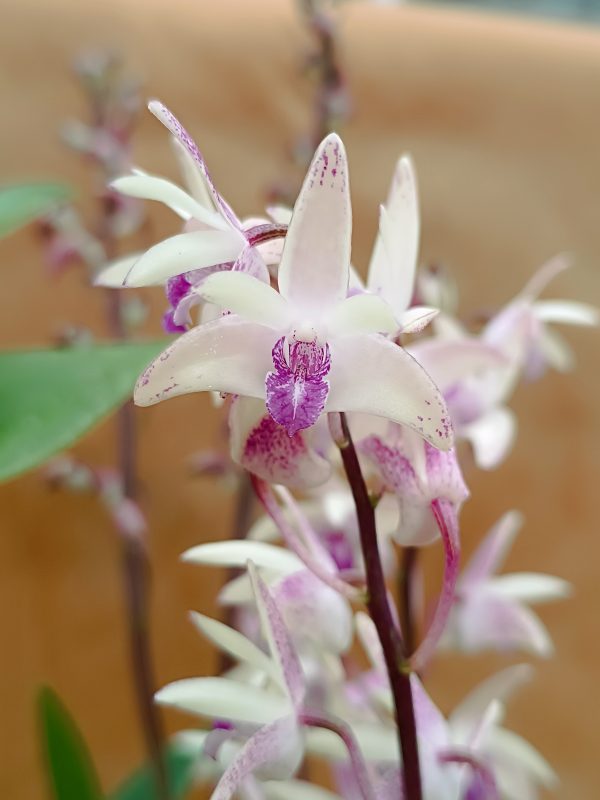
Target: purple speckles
297 389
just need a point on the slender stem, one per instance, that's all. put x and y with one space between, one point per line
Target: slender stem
406 591
337 726
445 516
379 608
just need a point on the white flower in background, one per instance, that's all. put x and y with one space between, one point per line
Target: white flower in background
490 610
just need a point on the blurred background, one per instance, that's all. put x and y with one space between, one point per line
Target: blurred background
501 113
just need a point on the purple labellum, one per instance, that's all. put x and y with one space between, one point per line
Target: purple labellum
297 390
339 549
169 324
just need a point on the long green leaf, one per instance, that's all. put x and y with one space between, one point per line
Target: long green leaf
49 398
180 761
21 203
71 770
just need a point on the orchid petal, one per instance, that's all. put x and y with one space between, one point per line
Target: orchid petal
250 261
152 187
237 553
394 260
529 587
114 274
568 312
280 643
184 252
264 448
546 273
362 313
246 296
450 361
296 790
234 643
508 747
227 355
376 742
280 214
491 436
554 351
498 687
222 698
417 318
163 114
392 385
275 750
490 555
194 178
313 273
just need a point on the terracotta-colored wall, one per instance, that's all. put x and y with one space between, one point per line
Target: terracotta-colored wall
502 118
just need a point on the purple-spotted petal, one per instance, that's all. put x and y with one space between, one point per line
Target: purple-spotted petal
184 252
274 752
163 114
392 385
263 447
227 355
313 274
296 390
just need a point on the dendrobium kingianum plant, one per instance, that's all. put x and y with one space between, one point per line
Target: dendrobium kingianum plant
356 394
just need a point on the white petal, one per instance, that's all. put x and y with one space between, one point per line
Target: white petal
530 587
509 747
248 297
185 252
392 385
498 687
449 362
221 698
238 553
491 436
194 178
569 312
376 741
546 273
417 318
492 551
151 187
234 643
227 355
362 313
114 274
313 274
555 350
394 260
264 448
280 214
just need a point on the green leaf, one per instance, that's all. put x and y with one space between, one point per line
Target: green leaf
179 762
49 398
24 202
71 770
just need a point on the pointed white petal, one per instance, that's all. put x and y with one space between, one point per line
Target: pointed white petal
227 355
392 385
498 687
394 260
417 318
278 637
530 587
185 252
546 273
264 448
152 187
313 274
362 313
490 554
221 698
509 747
569 312
376 741
234 643
449 362
114 274
280 214
491 436
238 553
238 591
248 297
194 178
274 751
555 351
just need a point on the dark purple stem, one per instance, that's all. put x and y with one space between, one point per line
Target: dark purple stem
337 726
377 603
445 517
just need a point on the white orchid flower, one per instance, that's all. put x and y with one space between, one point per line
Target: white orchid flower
302 349
489 610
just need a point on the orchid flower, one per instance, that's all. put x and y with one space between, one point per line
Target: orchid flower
301 349
490 610
213 237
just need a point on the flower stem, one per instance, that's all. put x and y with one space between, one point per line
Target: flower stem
337 726
379 608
